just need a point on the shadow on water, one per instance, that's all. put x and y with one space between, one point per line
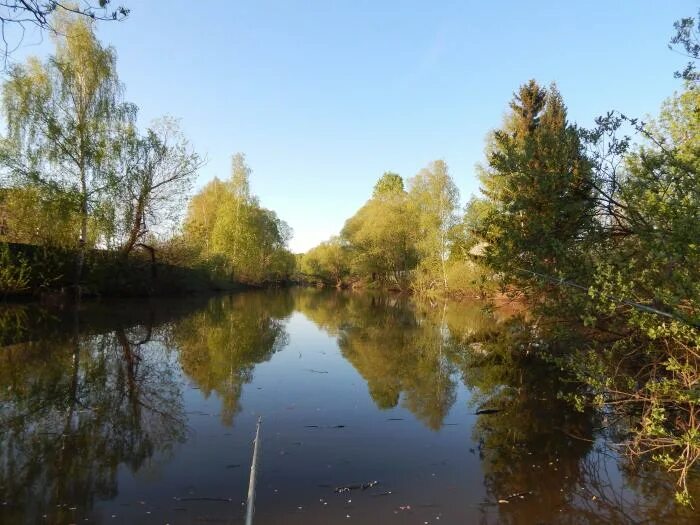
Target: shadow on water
92 400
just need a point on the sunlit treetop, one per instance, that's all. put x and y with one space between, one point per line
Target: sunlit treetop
389 183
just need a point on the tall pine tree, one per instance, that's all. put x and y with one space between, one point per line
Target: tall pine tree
537 184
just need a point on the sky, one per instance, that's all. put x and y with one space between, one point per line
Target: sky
325 96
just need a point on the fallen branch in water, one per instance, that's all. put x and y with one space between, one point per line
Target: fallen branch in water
358 486
225 500
516 495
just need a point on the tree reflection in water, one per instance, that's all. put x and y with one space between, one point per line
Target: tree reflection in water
104 392
542 458
545 461
73 409
220 345
402 357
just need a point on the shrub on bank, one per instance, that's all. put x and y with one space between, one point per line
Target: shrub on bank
35 271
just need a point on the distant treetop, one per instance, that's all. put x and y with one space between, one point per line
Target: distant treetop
389 183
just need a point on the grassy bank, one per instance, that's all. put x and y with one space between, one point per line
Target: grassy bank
30 271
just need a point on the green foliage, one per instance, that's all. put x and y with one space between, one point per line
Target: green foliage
537 186
381 236
388 184
607 234
467 278
653 257
464 236
329 262
236 237
36 214
14 272
63 116
686 40
398 239
77 173
433 199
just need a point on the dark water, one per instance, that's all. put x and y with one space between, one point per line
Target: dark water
144 412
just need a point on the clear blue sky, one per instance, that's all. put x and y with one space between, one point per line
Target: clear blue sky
324 96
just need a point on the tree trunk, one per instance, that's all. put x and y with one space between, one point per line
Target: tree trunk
152 252
80 261
443 249
136 227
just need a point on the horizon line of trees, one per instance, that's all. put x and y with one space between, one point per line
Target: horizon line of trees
400 238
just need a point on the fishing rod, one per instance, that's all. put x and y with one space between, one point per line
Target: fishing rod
250 504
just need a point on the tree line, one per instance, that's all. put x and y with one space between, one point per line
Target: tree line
400 238
78 173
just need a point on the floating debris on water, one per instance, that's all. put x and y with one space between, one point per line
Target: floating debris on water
225 500
356 486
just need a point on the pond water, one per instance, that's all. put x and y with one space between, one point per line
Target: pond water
145 411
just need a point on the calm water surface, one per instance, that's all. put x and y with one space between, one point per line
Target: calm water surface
144 412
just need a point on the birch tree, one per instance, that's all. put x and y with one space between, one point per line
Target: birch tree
434 198
62 118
